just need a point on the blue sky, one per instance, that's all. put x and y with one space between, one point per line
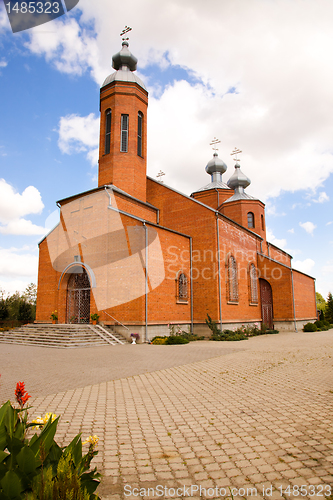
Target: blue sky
244 72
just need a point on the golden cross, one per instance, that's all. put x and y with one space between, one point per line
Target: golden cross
125 30
236 151
214 142
160 175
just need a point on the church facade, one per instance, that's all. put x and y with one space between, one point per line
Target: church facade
143 255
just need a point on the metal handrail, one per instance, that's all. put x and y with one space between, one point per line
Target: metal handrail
116 320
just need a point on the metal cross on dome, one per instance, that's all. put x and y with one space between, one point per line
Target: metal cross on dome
125 30
214 143
160 175
236 151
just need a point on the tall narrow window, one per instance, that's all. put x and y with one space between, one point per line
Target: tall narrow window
182 287
262 222
253 284
107 131
250 219
232 280
140 125
124 134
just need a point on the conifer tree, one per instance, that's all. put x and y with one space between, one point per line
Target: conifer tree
329 308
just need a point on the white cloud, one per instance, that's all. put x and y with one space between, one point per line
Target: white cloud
16 262
14 206
292 230
22 227
304 265
280 116
322 198
69 47
308 226
3 64
79 133
4 23
329 223
281 243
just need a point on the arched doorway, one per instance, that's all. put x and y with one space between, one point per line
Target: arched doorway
78 297
266 303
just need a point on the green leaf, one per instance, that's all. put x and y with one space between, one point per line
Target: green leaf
3 432
75 448
3 455
46 437
26 460
11 485
11 419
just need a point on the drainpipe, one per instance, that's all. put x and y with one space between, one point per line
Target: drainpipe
219 266
292 285
146 283
191 292
218 197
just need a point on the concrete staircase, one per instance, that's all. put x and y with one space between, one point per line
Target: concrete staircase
61 336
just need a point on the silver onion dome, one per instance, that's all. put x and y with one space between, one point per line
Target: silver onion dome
124 58
215 168
124 63
238 181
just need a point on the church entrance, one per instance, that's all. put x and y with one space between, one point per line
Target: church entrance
78 297
266 303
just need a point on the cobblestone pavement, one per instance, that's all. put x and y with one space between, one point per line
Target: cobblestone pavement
246 415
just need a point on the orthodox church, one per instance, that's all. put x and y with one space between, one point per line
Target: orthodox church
142 255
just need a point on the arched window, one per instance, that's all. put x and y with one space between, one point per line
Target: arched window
140 132
124 134
250 219
253 280
107 131
232 280
182 287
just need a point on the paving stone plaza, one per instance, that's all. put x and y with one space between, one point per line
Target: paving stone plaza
192 421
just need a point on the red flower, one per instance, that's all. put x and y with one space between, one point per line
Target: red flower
21 394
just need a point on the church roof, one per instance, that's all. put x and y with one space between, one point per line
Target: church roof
239 181
124 62
213 185
215 168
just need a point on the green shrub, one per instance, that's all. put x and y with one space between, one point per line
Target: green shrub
228 336
322 325
159 340
310 327
37 468
176 339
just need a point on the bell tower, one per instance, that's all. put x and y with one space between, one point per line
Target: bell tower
123 127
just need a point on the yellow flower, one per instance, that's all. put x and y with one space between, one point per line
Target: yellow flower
92 440
40 422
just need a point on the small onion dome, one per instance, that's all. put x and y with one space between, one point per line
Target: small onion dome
124 58
238 179
216 165
124 63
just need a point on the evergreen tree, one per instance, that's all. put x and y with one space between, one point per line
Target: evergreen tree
329 308
25 312
4 313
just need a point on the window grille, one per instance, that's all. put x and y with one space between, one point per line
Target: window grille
232 279
107 131
253 285
182 287
124 134
140 125
250 219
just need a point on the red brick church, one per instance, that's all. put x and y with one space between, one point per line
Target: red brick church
143 255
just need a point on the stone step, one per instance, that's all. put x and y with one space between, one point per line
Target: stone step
55 336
